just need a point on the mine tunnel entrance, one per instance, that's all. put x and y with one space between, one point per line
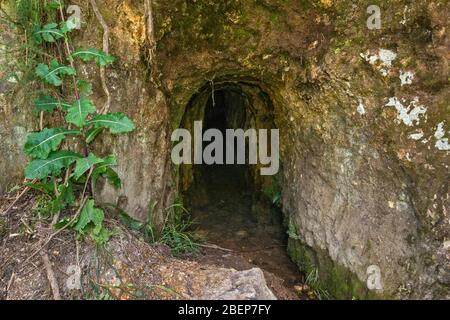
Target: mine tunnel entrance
233 206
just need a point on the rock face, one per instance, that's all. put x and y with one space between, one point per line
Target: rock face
363 117
15 122
239 285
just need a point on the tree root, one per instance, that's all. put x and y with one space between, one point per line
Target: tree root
105 28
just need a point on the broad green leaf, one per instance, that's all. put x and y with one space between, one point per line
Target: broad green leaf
49 33
84 164
104 170
53 73
68 25
78 112
116 122
90 215
48 104
92 134
56 161
84 87
40 144
100 57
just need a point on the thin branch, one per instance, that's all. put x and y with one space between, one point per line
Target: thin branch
41 121
213 246
49 238
10 282
55 186
213 91
4 213
74 218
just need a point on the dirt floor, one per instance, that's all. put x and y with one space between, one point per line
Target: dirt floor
221 207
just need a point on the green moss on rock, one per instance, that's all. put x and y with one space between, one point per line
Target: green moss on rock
333 278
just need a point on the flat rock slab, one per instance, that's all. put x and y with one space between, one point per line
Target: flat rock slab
238 285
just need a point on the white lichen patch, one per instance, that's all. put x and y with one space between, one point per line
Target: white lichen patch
416 135
406 77
440 133
372 59
406 12
387 56
384 57
361 109
441 143
410 114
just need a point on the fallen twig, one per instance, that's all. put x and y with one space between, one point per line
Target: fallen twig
262 249
10 282
51 275
4 213
213 246
50 237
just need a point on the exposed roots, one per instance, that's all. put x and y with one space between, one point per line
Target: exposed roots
105 28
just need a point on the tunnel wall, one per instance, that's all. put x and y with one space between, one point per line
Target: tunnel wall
364 146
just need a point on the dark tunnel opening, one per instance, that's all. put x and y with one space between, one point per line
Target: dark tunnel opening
225 110
230 204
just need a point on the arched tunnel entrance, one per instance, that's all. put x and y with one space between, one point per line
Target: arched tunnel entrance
235 207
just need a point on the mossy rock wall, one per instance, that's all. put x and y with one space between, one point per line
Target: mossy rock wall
333 280
364 180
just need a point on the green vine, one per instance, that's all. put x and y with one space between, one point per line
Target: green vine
62 165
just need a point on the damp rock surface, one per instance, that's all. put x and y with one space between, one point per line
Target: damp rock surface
360 186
